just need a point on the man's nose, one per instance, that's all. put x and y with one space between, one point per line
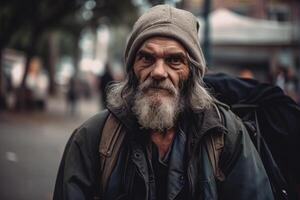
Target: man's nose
159 70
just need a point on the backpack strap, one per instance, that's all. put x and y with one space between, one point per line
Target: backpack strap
112 137
214 145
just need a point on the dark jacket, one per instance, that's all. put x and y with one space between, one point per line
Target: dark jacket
190 174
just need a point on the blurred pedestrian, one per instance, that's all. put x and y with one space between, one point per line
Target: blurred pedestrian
246 73
37 84
103 82
72 96
292 84
287 79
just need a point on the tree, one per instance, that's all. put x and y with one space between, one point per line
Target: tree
24 23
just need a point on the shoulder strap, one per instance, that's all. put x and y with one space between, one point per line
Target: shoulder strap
112 137
214 144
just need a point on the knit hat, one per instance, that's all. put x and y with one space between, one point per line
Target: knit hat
166 21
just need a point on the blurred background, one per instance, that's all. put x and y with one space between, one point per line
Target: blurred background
56 57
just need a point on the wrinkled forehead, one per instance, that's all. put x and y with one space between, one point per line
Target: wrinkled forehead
159 43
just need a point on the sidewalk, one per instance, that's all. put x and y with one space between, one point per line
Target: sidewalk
31 146
56 112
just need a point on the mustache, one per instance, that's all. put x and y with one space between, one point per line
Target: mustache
155 84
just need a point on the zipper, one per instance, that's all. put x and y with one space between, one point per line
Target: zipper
190 186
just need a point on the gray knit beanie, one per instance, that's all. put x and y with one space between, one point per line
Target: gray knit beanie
166 21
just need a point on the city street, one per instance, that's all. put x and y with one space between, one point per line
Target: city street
31 145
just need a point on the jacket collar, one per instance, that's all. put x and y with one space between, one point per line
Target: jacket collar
211 120
198 123
126 117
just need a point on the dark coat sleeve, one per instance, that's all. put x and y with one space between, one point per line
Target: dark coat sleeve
78 174
246 178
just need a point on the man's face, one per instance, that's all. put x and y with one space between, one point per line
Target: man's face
161 65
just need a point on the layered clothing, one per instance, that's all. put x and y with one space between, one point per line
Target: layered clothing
189 173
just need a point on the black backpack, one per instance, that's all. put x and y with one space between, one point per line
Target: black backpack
273 122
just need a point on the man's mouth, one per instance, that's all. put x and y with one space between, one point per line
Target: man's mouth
159 89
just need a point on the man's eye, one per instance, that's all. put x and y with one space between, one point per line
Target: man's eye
146 58
175 60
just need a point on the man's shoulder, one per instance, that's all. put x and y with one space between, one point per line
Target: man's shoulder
90 131
234 127
230 120
235 132
96 121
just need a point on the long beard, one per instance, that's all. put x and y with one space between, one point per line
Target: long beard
157 105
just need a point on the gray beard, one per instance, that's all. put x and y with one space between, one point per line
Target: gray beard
157 111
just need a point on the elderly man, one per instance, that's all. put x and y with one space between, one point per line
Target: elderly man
169 139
